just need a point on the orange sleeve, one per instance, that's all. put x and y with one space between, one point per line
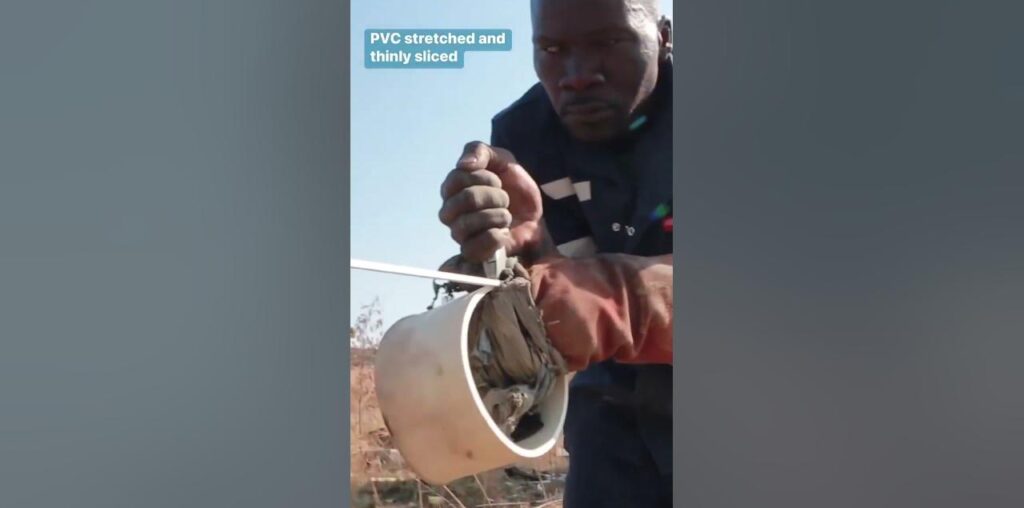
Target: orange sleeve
610 306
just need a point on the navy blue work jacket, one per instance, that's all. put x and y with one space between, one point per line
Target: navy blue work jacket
605 198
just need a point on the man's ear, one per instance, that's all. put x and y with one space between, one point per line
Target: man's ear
664 38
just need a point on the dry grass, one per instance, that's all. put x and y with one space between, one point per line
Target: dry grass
380 479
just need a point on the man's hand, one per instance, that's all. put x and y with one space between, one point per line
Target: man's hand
491 202
608 306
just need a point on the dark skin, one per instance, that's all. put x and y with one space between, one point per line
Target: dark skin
598 62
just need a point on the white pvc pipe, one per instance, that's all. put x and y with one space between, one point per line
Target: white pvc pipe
419 272
430 404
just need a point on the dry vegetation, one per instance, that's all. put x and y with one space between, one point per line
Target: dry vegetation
380 479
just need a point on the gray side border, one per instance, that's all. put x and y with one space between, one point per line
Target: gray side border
345 197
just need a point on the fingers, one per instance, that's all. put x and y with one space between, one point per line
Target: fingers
459 179
469 225
478 155
482 246
477 207
472 199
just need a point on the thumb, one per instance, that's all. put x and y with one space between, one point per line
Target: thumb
478 155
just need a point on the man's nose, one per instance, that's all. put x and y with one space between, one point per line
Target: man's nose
581 75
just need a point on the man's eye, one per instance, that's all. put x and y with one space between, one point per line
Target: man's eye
550 49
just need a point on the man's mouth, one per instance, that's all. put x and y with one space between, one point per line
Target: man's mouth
588 112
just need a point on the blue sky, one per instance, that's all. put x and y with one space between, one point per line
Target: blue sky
408 129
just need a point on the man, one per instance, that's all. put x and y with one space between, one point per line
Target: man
576 182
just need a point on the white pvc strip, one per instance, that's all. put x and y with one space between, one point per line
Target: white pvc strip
558 189
582 190
419 272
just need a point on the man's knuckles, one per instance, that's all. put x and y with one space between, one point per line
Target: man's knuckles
468 225
478 197
470 200
458 180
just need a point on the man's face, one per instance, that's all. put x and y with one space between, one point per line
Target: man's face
597 60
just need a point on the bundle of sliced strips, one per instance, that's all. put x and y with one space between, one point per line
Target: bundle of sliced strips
512 360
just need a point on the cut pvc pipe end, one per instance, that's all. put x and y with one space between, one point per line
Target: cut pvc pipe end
431 406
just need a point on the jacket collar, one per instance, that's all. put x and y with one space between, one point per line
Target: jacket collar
642 160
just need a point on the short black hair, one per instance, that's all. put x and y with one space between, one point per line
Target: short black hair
649 6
